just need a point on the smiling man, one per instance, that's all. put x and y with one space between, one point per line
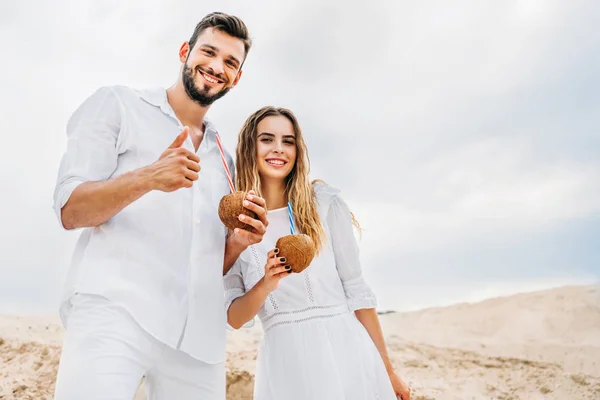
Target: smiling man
143 175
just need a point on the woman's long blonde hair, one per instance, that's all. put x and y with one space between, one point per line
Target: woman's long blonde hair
298 189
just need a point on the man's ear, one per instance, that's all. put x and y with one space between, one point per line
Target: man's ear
184 51
237 78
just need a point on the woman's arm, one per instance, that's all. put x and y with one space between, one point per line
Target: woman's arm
245 307
359 295
241 238
369 319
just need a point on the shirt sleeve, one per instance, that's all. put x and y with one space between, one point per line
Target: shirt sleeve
92 136
339 220
234 288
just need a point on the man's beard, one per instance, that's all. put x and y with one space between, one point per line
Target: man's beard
198 95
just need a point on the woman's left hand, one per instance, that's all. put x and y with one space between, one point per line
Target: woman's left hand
401 389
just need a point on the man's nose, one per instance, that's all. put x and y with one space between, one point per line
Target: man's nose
217 66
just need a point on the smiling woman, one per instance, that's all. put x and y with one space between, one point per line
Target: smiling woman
276 152
272 159
322 334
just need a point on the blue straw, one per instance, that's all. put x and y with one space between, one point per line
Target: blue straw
291 216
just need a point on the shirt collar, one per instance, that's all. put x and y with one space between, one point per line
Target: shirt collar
158 98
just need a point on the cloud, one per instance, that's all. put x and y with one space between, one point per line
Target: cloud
460 134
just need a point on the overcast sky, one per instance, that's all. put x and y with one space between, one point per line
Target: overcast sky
465 135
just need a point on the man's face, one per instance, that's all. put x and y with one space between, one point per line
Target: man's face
211 68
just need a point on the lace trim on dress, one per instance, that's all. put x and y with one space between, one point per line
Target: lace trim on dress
304 319
300 311
308 288
261 272
303 315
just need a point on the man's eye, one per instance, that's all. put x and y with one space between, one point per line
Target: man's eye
209 52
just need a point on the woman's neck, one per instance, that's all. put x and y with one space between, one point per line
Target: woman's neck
274 194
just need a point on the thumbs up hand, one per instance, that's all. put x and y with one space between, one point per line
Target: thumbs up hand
180 139
176 168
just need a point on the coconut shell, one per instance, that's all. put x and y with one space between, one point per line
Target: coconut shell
230 208
298 250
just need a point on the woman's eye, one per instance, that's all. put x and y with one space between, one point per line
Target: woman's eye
290 142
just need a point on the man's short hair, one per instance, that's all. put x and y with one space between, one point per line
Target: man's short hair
229 24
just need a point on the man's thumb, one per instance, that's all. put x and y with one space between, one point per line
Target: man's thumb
180 138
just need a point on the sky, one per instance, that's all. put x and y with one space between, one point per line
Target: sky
464 135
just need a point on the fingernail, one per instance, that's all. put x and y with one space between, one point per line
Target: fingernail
276 251
249 197
236 230
289 271
246 203
242 217
282 259
288 267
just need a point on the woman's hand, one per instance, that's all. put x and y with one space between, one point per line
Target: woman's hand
275 270
401 389
258 226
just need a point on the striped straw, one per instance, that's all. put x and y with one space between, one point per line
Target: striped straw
225 164
291 216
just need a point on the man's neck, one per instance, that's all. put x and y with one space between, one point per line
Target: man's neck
189 113
274 194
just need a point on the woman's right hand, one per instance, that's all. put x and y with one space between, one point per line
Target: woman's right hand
275 269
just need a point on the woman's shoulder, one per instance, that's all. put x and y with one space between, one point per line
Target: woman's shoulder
323 189
325 195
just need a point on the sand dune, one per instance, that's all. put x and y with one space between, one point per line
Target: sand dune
541 345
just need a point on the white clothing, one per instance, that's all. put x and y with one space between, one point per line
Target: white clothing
314 347
106 353
161 257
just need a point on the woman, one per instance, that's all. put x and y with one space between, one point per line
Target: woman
322 335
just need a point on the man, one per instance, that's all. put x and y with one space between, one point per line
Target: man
143 175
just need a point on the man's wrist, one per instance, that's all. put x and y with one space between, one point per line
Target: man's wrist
143 179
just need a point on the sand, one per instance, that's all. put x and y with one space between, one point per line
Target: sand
541 345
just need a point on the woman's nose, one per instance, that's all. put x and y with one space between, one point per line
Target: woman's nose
278 148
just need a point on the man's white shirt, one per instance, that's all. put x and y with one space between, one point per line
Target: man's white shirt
161 257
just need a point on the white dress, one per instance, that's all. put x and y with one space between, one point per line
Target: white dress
314 347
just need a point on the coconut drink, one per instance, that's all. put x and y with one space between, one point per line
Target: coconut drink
298 250
230 208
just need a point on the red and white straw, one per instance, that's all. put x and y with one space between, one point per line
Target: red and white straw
225 164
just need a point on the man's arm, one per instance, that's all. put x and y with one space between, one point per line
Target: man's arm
93 203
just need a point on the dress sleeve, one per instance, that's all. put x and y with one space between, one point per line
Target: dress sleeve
234 287
92 145
345 249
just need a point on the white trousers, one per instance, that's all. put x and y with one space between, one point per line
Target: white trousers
106 353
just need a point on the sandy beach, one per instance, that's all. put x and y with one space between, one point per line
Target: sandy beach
540 345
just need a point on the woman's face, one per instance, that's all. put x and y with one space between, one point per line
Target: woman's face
275 148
